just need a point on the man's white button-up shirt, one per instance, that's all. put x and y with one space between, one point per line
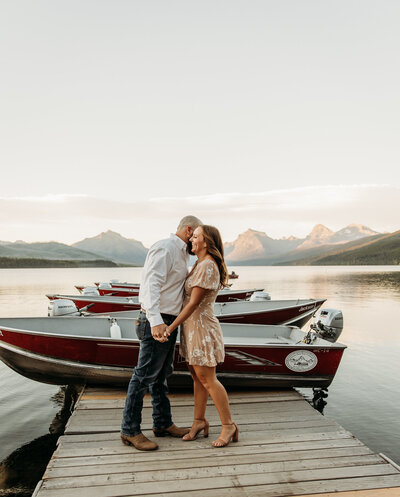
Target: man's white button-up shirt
163 279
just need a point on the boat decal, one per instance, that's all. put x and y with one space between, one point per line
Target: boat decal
250 359
301 360
306 308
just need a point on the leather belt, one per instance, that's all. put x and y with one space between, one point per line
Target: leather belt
168 316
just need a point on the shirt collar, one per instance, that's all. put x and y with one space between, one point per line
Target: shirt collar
181 244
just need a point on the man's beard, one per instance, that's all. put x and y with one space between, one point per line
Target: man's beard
189 247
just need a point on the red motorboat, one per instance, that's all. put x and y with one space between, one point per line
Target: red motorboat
116 292
87 350
223 295
274 312
233 276
289 312
294 312
109 287
115 305
119 292
99 304
114 283
124 285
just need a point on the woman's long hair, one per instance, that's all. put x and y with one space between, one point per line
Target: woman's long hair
215 248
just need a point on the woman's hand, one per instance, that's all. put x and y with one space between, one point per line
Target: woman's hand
167 332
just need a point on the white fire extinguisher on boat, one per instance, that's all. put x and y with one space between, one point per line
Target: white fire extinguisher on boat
115 330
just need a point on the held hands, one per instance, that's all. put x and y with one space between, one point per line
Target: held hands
158 332
161 332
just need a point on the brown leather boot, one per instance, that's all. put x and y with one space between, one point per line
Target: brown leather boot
172 431
140 442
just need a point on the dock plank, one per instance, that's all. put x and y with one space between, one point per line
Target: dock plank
376 492
131 457
243 468
131 487
121 465
118 402
285 448
251 439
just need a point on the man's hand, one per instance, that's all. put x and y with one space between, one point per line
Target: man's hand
158 332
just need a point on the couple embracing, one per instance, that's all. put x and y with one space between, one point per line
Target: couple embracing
166 286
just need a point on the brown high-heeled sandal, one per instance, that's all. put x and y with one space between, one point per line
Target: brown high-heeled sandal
206 427
223 443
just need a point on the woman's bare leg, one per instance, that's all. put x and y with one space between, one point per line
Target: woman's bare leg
200 404
209 381
200 396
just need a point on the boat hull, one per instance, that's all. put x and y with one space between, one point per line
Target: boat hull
294 313
61 372
125 285
233 295
49 358
133 286
119 292
223 296
100 305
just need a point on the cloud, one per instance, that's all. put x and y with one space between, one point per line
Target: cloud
283 212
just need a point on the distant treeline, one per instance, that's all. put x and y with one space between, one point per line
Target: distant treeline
359 260
16 262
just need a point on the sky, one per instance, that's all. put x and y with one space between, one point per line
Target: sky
274 115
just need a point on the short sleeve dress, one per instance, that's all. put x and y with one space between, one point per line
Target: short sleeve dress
202 342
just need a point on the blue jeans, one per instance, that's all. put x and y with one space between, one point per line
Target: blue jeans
151 372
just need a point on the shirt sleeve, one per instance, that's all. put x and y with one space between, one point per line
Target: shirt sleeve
158 265
206 275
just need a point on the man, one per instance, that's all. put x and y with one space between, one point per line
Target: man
161 298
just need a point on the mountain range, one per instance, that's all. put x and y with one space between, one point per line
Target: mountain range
351 245
45 250
115 247
107 246
256 247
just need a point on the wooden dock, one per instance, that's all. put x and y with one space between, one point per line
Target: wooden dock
286 447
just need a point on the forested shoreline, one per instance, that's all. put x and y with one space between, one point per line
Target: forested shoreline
30 262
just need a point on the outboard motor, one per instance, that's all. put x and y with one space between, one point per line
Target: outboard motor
259 296
328 324
90 290
62 307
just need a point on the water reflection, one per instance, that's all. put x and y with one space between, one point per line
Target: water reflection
388 280
318 400
359 284
23 468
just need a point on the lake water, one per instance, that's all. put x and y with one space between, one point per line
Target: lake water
363 398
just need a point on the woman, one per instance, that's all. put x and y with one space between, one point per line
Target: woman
202 343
